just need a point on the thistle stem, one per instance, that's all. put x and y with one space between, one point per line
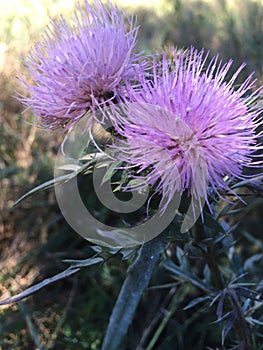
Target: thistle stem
137 280
216 276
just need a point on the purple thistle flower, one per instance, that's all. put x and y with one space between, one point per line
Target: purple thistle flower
76 68
188 127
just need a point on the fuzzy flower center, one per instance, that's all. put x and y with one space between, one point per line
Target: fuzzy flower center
177 146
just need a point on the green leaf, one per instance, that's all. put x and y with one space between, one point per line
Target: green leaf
96 248
84 263
185 275
128 253
249 263
196 301
251 238
36 189
38 286
57 180
212 223
249 182
112 169
253 321
136 183
181 256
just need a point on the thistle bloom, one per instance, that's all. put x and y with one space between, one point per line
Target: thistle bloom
188 127
76 68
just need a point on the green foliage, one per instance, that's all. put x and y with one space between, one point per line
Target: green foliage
210 283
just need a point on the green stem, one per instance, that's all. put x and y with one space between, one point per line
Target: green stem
169 313
216 276
135 283
240 324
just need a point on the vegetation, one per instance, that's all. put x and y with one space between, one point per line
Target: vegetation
176 311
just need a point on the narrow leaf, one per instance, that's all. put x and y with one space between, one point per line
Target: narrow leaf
185 275
38 286
36 189
85 262
227 327
212 223
252 320
196 301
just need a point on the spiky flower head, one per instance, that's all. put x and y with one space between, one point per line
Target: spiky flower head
188 126
79 66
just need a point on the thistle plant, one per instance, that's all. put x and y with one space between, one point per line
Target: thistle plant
176 124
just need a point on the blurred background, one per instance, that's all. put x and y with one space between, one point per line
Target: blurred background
34 239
